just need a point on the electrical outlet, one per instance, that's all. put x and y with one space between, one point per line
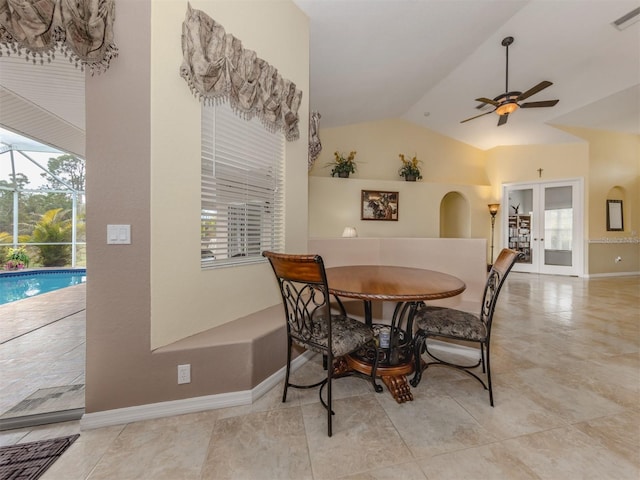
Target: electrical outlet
184 374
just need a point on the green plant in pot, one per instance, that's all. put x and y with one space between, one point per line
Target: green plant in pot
343 165
17 259
410 169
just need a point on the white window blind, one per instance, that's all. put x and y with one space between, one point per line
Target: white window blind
241 188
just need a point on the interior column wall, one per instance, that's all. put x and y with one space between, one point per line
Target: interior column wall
131 181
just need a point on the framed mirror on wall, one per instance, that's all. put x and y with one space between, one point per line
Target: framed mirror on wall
614 216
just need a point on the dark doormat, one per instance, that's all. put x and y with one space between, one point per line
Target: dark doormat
27 461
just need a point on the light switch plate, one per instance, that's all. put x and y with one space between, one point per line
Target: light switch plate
118 234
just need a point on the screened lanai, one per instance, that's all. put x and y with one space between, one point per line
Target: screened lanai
42 203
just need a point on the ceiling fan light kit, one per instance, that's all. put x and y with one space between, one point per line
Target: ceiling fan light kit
508 102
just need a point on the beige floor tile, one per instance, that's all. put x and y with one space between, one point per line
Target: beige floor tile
262 445
560 393
434 424
489 462
618 433
405 471
514 413
144 450
569 453
363 438
81 458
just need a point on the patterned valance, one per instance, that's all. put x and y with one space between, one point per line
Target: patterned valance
82 29
218 69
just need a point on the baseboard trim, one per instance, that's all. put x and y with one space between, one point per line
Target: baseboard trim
445 347
152 411
612 274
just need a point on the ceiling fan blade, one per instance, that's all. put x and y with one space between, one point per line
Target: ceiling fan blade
541 86
545 103
481 115
503 119
484 100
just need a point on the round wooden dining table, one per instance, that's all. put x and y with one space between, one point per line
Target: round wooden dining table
407 287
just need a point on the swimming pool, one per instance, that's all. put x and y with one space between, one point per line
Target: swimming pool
25 284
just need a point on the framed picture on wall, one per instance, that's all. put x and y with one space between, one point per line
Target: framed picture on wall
378 205
614 216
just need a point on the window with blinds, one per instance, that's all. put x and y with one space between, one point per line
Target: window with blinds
241 188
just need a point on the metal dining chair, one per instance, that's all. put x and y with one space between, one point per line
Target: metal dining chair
449 323
310 321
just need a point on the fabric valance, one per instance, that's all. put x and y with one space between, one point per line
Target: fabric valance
218 69
82 29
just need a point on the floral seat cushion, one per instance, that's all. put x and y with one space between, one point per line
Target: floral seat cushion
449 322
348 335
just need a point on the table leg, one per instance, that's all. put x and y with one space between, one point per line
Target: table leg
399 388
394 377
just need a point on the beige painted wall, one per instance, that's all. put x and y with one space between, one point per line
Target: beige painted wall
614 161
180 289
614 168
448 166
334 203
378 144
142 158
519 164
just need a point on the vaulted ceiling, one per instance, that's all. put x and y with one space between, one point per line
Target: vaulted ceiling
421 60
427 60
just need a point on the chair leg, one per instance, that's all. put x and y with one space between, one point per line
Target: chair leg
329 395
288 371
489 386
417 358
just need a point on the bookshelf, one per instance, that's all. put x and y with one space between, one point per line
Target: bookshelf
520 236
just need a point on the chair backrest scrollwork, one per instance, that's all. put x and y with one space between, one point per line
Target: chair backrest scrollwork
305 295
497 275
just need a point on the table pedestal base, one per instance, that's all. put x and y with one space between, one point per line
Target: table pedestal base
393 376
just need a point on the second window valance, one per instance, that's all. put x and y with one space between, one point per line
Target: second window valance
217 68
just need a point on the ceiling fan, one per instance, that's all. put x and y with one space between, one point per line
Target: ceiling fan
508 102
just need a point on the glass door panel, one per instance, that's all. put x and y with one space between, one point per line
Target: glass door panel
545 225
558 226
521 224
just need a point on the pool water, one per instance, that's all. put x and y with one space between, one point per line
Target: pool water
25 284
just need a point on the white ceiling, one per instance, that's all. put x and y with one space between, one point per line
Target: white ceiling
44 101
421 60
427 60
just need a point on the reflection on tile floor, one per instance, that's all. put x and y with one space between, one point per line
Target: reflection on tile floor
567 391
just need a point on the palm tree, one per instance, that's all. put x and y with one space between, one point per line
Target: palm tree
54 227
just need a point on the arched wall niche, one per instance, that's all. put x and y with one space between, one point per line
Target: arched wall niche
455 216
616 193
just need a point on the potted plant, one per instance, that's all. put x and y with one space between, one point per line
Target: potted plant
17 259
343 165
410 169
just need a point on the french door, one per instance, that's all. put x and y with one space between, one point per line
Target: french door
544 221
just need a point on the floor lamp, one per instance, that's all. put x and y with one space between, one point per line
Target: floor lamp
493 210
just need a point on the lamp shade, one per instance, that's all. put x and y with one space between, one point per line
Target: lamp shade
493 208
349 232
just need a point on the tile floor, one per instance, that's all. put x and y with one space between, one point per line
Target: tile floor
566 360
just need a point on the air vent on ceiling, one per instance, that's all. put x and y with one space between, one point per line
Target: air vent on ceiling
629 19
